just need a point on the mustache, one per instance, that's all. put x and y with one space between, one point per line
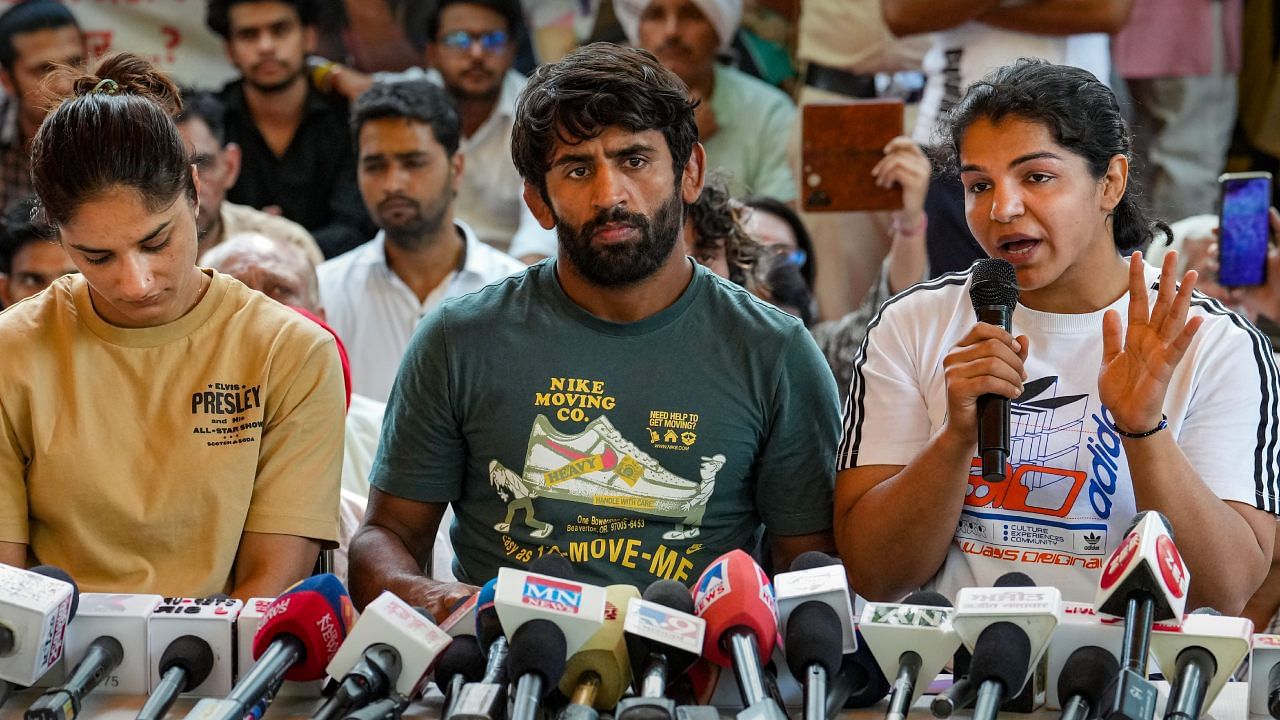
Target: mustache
675 45
615 215
399 199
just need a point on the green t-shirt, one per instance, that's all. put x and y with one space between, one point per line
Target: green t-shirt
639 451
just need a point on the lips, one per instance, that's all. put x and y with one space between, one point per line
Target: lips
615 232
1016 247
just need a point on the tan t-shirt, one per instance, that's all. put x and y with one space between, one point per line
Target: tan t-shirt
135 458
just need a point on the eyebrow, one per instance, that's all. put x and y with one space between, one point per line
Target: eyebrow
159 229
1042 155
632 149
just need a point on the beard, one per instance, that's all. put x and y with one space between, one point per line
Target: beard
624 263
277 86
417 228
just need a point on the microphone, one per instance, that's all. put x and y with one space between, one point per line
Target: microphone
597 675
299 634
538 610
388 708
484 697
123 618
816 576
535 662
1198 658
860 683
911 641
961 693
36 606
1264 676
994 294
1144 581
1007 628
1084 680
102 656
817 585
185 664
461 662
391 646
734 596
664 639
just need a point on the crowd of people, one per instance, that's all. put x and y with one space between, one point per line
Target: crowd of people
445 317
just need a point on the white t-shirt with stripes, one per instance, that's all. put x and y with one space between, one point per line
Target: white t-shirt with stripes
1068 496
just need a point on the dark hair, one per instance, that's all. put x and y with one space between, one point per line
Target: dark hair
1081 113
784 285
508 9
595 87
18 229
419 100
804 241
717 227
28 17
116 130
218 15
208 108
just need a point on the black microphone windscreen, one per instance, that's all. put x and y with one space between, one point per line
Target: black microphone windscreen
1014 579
1206 611
112 647
670 593
927 597
1002 653
537 647
813 638
1137 518
193 655
462 657
1087 673
812 559
553 564
58 573
995 282
864 664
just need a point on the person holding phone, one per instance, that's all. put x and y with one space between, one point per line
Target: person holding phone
1129 390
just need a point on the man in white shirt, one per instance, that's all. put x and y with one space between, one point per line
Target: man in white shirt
409 171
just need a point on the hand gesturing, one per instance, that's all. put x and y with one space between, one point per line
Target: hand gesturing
1138 359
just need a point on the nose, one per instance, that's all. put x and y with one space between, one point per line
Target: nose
136 280
397 180
670 25
475 49
1006 203
266 44
609 189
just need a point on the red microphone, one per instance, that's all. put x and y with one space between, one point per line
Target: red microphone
735 598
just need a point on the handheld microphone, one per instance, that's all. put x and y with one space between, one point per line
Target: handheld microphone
1143 581
536 661
1084 680
1000 661
599 672
1081 626
390 638
961 693
35 608
185 664
388 708
664 638
911 641
1199 657
461 663
484 697
102 656
1264 676
735 598
994 294
300 633
534 609
816 576
123 618
860 683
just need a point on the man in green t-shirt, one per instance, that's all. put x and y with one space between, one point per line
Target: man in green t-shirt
617 404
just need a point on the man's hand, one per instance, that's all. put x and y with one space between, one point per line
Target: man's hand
1138 359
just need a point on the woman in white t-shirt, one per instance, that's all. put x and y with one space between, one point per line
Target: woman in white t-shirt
1120 401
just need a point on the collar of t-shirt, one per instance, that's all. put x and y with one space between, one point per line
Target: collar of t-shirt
470 264
549 280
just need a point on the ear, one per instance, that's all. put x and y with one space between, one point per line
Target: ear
541 211
309 39
431 54
6 79
695 171
231 158
196 182
1114 182
459 163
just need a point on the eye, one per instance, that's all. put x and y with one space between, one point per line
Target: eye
156 247
636 162
577 172
978 187
1039 177
97 259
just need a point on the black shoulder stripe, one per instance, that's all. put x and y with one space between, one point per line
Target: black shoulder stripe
854 412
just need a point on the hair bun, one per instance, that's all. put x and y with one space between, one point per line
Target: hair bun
124 73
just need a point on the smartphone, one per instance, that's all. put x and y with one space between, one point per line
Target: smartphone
1243 228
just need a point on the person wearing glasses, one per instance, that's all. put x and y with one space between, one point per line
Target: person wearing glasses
297 159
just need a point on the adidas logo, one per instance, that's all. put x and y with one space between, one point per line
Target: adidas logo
1092 540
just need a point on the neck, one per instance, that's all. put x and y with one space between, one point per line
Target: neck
633 302
211 236
472 112
425 264
279 106
702 83
1092 283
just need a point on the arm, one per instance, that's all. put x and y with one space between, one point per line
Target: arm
905 165
377 40
1062 17
13 554
266 564
1137 365
787 547
390 549
875 502
913 17
1262 607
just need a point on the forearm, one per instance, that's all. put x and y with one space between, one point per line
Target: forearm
1061 17
379 560
912 17
378 41
13 554
908 255
1224 555
895 537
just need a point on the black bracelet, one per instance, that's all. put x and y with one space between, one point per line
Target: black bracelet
1164 423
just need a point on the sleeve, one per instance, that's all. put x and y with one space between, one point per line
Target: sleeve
300 465
1229 430
795 473
13 484
773 176
422 455
885 389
